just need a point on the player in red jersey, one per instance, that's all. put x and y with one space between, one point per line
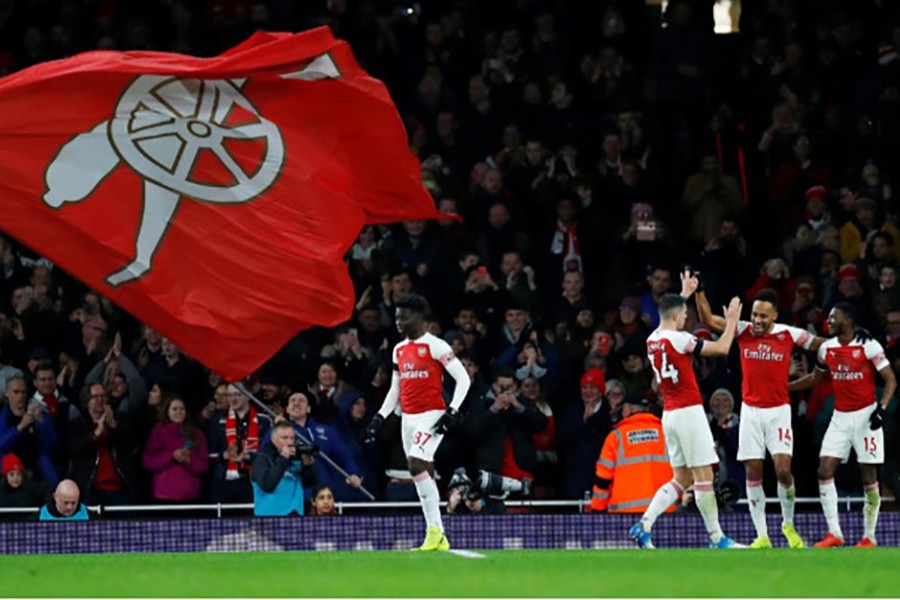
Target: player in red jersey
766 349
857 419
419 362
689 441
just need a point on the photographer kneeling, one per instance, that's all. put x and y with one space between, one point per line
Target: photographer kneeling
463 498
281 470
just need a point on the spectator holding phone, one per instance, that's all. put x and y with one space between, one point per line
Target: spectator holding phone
176 455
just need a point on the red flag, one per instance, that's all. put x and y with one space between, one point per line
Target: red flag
212 198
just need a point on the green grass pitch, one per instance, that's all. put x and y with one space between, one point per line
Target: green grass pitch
525 573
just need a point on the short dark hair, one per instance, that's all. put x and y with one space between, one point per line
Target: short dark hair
506 372
848 309
767 296
669 304
887 237
413 303
45 365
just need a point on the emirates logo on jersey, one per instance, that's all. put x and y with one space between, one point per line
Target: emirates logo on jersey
423 352
763 352
846 373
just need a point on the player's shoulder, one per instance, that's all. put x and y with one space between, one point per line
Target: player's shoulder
436 344
873 347
669 334
830 343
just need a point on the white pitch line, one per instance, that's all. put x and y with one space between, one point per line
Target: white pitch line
468 554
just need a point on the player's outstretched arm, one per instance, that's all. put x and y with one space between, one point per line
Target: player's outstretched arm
721 346
807 381
706 315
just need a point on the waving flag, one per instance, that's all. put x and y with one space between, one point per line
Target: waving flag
212 198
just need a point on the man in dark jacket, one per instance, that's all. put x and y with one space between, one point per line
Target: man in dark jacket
581 431
329 441
500 425
103 452
280 472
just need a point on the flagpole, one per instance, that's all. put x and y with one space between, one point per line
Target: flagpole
240 387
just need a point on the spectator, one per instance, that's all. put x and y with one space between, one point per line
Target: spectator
325 391
28 432
323 502
354 415
280 473
176 455
66 505
501 425
724 423
17 490
332 442
660 281
546 479
581 431
103 451
127 390
233 443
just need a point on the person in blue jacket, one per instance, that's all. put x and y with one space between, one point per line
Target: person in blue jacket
280 472
328 440
66 505
354 415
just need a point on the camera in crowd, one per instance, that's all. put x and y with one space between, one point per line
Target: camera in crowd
492 485
305 447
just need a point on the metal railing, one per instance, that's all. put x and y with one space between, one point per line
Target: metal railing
345 507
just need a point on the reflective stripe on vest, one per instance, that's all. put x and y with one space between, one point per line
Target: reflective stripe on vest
629 504
601 495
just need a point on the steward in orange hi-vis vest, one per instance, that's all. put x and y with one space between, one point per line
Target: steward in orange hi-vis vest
633 463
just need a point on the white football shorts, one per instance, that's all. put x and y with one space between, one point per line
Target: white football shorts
418 436
765 428
851 430
689 440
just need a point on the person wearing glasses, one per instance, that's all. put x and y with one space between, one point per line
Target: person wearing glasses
102 450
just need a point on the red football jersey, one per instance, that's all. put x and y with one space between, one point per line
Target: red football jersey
852 371
766 362
671 356
421 366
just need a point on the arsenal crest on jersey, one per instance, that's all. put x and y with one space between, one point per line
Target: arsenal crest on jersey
423 352
857 353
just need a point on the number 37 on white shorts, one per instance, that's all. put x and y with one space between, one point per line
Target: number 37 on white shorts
418 436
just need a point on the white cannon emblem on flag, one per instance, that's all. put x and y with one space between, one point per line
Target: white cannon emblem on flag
161 127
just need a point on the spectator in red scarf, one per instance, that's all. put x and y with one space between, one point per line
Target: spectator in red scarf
176 455
234 440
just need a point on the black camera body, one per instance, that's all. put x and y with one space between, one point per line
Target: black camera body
305 447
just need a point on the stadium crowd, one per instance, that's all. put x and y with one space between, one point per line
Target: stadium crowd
593 148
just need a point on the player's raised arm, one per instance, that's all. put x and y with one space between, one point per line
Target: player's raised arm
721 346
704 311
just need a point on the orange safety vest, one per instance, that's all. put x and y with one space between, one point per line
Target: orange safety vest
634 458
